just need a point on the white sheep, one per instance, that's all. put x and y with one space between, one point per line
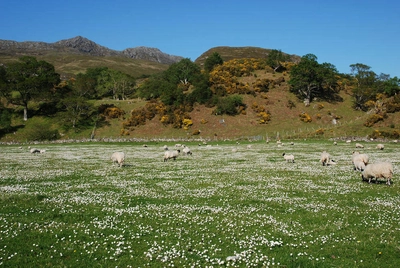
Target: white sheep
380 146
118 157
186 151
360 161
325 158
378 170
171 154
288 157
359 145
165 148
34 151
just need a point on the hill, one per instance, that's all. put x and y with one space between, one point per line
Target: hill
229 53
328 119
74 55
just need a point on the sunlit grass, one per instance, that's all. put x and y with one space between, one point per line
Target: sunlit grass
72 207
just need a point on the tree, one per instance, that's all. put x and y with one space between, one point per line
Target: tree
309 79
31 80
182 72
4 89
365 85
114 83
387 85
202 92
212 61
275 59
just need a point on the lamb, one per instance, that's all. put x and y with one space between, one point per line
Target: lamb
171 154
358 145
288 157
378 170
118 157
360 161
186 151
380 146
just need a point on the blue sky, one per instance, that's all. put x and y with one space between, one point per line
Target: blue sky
340 32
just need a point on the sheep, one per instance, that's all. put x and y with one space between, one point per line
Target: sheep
325 158
360 161
288 157
165 148
171 154
186 151
378 170
380 146
358 145
34 151
42 151
118 157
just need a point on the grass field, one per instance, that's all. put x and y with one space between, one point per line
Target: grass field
225 206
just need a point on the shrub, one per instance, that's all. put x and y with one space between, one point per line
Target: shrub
290 104
196 132
186 123
305 117
230 105
372 119
113 112
394 134
203 121
320 131
320 106
265 117
41 131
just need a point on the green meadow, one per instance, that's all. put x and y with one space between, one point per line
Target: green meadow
227 205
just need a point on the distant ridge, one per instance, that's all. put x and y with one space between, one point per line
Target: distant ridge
84 46
229 53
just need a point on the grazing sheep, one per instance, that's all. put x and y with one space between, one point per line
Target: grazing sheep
165 147
334 143
358 145
118 157
42 151
249 146
288 157
378 170
34 151
380 146
171 154
325 158
186 151
360 161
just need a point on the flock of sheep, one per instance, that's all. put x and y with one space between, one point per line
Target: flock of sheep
360 163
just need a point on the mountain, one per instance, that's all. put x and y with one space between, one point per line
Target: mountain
84 46
75 55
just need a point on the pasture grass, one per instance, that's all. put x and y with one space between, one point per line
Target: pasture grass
70 207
